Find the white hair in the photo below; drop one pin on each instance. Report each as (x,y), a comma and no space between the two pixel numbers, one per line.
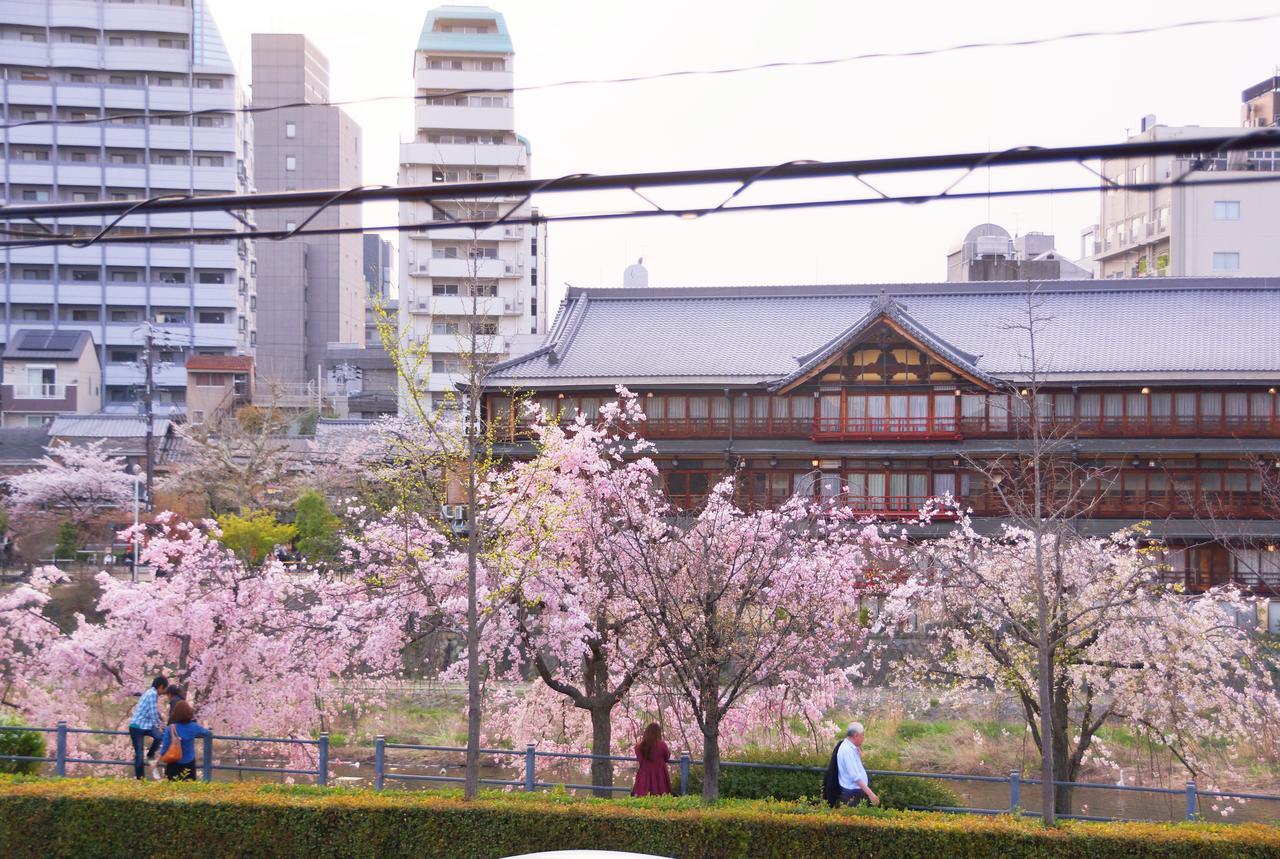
(854,729)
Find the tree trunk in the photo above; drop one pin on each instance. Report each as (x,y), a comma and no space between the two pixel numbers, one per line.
(711,759)
(471,784)
(1048,730)
(601,743)
(1063,765)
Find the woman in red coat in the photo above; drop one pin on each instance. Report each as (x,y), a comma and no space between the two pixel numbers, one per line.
(652,753)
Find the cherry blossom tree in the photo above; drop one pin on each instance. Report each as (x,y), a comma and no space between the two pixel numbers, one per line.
(554,610)
(1125,647)
(738,606)
(262,651)
(74,481)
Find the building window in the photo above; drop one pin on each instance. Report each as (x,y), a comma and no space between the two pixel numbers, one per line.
(1226,261)
(209,380)
(122,356)
(212,317)
(212,277)
(35,274)
(1226,210)
(84,315)
(444,289)
(35,314)
(85,275)
(291,129)
(290,162)
(124,316)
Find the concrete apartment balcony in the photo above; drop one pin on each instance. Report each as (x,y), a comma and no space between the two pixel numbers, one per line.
(73,54)
(121,96)
(168,97)
(170,294)
(170,137)
(464,154)
(72,13)
(38,398)
(134,373)
(30,292)
(128,294)
(83,95)
(465,268)
(466,118)
(459,305)
(30,172)
(455,79)
(23,12)
(215,256)
(120,136)
(215,139)
(79,292)
(498,233)
(27,92)
(131,57)
(214,295)
(26,53)
(150,17)
(123,176)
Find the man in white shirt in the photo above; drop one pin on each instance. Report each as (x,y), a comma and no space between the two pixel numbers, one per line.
(854,785)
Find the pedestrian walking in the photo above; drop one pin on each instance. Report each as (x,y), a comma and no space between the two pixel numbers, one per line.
(181,735)
(145,722)
(652,753)
(846,781)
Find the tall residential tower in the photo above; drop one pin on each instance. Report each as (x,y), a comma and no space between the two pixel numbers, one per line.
(96,95)
(455,281)
(311,289)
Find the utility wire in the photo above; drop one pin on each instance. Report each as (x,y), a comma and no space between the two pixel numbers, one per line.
(576,182)
(687,213)
(688,73)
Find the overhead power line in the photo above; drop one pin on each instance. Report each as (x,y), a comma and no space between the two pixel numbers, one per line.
(689,73)
(690,213)
(578,182)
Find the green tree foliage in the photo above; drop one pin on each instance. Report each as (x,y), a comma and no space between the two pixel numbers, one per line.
(68,542)
(317,527)
(253,535)
(794,785)
(26,743)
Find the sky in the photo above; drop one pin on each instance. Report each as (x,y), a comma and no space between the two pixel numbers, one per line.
(1077,92)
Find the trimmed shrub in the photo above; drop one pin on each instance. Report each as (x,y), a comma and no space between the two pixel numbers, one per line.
(26,743)
(125,818)
(789,785)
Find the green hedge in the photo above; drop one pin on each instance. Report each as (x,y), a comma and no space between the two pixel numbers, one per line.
(26,743)
(761,783)
(121,817)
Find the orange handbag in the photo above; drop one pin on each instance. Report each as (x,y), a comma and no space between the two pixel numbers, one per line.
(173,754)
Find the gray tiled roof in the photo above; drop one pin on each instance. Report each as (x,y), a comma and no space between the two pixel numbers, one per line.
(1109,329)
(96,426)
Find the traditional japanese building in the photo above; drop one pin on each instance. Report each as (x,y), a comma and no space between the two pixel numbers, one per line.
(882,396)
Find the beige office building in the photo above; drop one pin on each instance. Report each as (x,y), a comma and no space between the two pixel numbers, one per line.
(1193,228)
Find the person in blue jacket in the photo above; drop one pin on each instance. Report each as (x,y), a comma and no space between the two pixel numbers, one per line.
(182,722)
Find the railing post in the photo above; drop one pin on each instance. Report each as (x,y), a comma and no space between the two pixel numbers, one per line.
(206,754)
(60,750)
(530,764)
(379,760)
(1192,802)
(322,776)
(684,774)
(1015,792)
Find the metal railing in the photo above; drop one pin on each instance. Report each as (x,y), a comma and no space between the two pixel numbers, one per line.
(525,763)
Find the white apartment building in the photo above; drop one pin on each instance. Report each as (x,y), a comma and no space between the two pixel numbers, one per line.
(96,80)
(452,279)
(1193,228)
